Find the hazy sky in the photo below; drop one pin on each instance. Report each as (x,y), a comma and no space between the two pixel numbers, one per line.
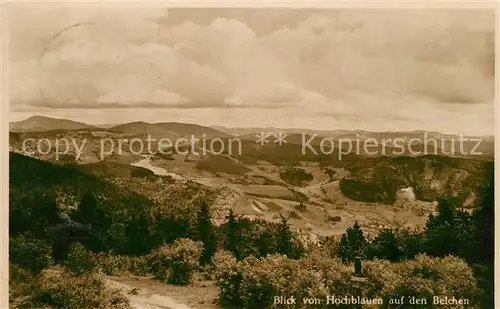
(326,69)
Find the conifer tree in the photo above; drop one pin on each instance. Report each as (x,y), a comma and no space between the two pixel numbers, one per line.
(205,233)
(285,245)
(231,233)
(385,246)
(484,218)
(87,209)
(352,243)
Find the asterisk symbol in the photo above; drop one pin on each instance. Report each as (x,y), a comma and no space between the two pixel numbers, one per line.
(262,138)
(280,138)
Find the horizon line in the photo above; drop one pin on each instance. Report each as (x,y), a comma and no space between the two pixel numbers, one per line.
(111,125)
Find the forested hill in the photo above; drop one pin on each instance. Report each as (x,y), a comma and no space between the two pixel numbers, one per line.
(44,195)
(432,177)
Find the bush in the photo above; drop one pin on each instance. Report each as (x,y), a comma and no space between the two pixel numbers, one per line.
(254,282)
(30,253)
(423,277)
(176,263)
(64,291)
(19,284)
(122,265)
(223,264)
(330,246)
(80,260)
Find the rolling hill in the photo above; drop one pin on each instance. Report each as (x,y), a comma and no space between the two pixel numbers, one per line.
(431,177)
(169,129)
(41,124)
(42,194)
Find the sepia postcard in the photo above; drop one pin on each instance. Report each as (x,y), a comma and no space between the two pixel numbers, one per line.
(258,155)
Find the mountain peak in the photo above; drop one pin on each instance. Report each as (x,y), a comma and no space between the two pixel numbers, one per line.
(38,123)
(38,117)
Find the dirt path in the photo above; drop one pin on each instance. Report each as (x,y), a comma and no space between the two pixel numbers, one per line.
(146,293)
(144,300)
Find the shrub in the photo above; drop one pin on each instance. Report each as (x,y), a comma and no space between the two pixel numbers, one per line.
(79,259)
(19,284)
(30,253)
(122,265)
(64,291)
(176,263)
(223,264)
(330,246)
(254,282)
(423,277)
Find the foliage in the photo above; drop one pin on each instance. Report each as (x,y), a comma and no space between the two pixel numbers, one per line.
(385,246)
(244,237)
(411,242)
(177,262)
(31,212)
(30,253)
(236,234)
(80,260)
(296,176)
(450,232)
(352,243)
(330,246)
(378,179)
(484,217)
(483,246)
(105,207)
(123,265)
(175,215)
(124,226)
(223,264)
(20,285)
(285,240)
(65,291)
(254,282)
(423,277)
(206,233)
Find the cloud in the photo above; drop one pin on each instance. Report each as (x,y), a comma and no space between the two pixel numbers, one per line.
(345,64)
(142,73)
(155,97)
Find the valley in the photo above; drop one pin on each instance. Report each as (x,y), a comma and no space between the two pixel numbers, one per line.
(112,203)
(323,195)
(229,156)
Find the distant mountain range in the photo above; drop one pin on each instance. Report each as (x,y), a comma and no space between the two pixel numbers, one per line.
(174,130)
(165,129)
(351,134)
